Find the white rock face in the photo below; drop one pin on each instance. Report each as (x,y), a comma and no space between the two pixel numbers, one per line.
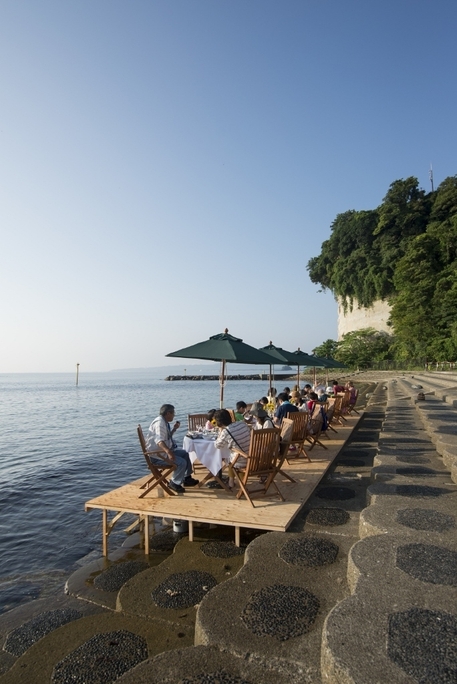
(375,316)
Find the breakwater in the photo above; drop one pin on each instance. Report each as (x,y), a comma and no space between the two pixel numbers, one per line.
(254,376)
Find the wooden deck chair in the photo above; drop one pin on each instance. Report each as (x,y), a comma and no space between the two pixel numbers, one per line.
(196,420)
(324,408)
(232,415)
(315,425)
(159,473)
(337,416)
(345,405)
(329,413)
(300,420)
(262,464)
(352,403)
(287,430)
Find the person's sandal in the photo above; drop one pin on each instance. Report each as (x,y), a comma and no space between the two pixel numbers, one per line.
(214,484)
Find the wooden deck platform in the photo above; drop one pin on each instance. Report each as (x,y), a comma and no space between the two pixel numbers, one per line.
(222,508)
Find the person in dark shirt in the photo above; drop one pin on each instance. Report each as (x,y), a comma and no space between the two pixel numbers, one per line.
(284,408)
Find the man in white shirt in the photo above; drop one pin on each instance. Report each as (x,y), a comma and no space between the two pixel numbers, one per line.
(160,436)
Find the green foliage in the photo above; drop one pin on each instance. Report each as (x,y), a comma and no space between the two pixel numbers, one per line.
(404,251)
(346,262)
(327,349)
(358,349)
(362,348)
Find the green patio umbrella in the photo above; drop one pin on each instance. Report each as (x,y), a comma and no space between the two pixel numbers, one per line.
(279,354)
(303,359)
(224,348)
(328,363)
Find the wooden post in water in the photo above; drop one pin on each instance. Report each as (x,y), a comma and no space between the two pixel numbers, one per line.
(77,374)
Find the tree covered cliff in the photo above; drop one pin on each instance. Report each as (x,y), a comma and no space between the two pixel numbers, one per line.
(405,252)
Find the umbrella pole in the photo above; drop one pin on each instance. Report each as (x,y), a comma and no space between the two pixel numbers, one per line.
(271,381)
(222,383)
(298,377)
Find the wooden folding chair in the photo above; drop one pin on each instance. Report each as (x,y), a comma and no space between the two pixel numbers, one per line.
(337,415)
(159,472)
(287,430)
(300,420)
(352,402)
(315,424)
(345,405)
(232,415)
(262,464)
(330,415)
(196,420)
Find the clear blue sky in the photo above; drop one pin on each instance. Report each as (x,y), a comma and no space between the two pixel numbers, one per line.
(168,167)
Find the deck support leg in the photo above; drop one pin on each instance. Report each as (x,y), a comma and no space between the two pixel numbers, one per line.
(237,537)
(191,530)
(105,531)
(146,534)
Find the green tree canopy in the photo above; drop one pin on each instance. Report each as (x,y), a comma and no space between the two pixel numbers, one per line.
(405,252)
(362,348)
(327,349)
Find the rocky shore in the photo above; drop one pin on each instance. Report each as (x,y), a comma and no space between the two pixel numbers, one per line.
(252,376)
(362,588)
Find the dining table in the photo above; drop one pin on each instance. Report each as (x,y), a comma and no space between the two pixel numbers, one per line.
(202,447)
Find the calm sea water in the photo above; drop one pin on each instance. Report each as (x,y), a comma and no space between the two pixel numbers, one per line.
(61,445)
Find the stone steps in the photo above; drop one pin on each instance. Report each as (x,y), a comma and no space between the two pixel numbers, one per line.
(444,388)
(400,622)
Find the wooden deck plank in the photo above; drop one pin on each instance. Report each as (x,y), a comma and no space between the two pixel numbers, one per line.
(219,507)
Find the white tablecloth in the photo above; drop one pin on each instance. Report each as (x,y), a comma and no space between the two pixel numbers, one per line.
(204,450)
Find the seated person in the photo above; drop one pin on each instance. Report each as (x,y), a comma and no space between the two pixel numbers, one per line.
(295,397)
(262,419)
(322,396)
(268,405)
(313,399)
(337,387)
(352,392)
(210,422)
(306,390)
(302,404)
(284,407)
(160,436)
(232,436)
(272,395)
(286,390)
(240,410)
